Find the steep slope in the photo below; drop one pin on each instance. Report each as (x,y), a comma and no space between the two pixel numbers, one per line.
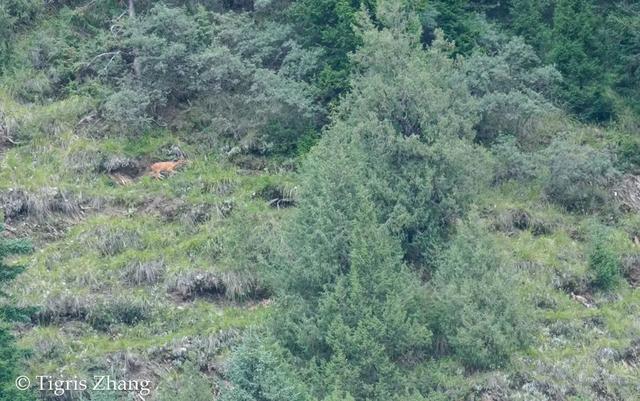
(450,232)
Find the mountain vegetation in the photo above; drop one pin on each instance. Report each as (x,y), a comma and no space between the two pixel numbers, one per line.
(321,200)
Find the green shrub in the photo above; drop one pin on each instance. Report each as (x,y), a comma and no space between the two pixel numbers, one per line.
(476,312)
(511,163)
(55,52)
(604,263)
(258,371)
(578,176)
(109,311)
(372,320)
(246,93)
(628,154)
(366,331)
(15,15)
(513,87)
(410,150)
(329,24)
(127,111)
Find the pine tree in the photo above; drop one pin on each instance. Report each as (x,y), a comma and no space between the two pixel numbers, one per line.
(258,371)
(527,21)
(475,311)
(372,321)
(575,51)
(363,334)
(405,131)
(328,24)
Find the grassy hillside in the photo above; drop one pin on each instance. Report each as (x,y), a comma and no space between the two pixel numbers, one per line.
(331,195)
(145,273)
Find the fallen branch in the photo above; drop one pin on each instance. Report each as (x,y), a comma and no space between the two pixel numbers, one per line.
(113,54)
(281,201)
(83,8)
(116,24)
(11,141)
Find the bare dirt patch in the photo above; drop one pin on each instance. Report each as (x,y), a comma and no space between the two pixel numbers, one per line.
(122,170)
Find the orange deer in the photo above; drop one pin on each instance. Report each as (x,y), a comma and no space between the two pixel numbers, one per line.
(165,167)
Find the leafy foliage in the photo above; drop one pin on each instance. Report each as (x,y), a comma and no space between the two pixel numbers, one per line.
(371,322)
(512,163)
(384,186)
(258,371)
(388,121)
(514,89)
(15,15)
(574,23)
(328,24)
(413,152)
(572,34)
(475,312)
(578,176)
(234,91)
(604,262)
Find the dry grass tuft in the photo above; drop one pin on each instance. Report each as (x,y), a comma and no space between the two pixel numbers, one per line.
(236,286)
(220,187)
(203,350)
(41,205)
(512,220)
(111,241)
(121,165)
(279,196)
(197,283)
(61,308)
(139,273)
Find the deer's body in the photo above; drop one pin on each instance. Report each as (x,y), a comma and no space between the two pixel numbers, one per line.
(165,167)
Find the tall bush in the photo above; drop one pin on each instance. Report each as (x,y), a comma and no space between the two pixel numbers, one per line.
(476,313)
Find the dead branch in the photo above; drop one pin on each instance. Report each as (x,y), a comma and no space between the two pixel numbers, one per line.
(115,24)
(11,141)
(113,54)
(83,8)
(281,202)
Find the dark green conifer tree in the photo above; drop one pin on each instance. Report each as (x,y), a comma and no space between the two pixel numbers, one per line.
(575,52)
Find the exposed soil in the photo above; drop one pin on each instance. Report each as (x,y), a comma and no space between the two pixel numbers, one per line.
(122,170)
